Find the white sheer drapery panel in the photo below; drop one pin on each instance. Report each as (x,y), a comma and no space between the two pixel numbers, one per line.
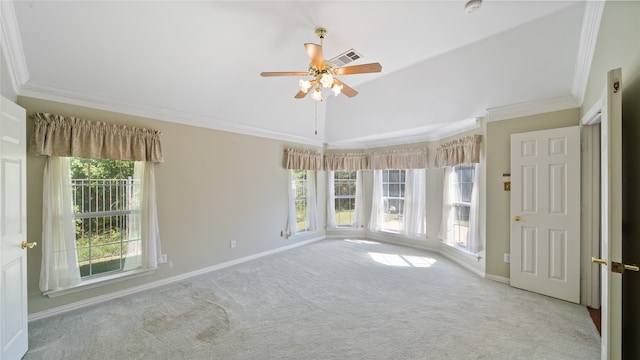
(475,243)
(465,150)
(377,203)
(358,223)
(414,223)
(400,159)
(301,159)
(59,268)
(331,200)
(450,192)
(345,161)
(145,252)
(312,204)
(447,209)
(291,214)
(55,135)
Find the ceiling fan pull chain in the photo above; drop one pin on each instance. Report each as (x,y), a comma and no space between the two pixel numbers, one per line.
(316,125)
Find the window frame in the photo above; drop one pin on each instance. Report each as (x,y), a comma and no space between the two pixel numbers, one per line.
(352,183)
(401,198)
(91,188)
(454,237)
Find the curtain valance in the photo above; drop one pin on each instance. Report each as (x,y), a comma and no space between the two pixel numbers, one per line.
(346,161)
(56,135)
(465,150)
(415,158)
(301,159)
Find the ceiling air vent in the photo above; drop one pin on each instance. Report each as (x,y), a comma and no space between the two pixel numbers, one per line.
(345,58)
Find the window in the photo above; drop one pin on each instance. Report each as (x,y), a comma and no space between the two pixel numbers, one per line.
(458,207)
(301,200)
(393,192)
(104,221)
(103,194)
(344,195)
(398,202)
(302,203)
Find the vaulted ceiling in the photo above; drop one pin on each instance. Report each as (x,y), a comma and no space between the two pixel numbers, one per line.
(199,62)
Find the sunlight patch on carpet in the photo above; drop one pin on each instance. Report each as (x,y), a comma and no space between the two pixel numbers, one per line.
(402,260)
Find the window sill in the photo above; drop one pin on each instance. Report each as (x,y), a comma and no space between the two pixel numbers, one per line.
(99,281)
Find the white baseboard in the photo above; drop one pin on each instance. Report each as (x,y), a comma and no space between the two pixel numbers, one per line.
(116,294)
(463,264)
(497,278)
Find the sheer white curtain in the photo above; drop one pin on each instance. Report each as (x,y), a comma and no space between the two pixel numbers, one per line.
(414,203)
(292,218)
(311,216)
(143,248)
(377,203)
(451,192)
(358,223)
(312,208)
(447,209)
(475,243)
(59,268)
(331,200)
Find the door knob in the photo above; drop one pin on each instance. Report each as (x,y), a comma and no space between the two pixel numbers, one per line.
(598,261)
(516,218)
(29,245)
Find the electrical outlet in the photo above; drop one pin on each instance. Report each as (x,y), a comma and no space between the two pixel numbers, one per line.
(163,259)
(233,244)
(282,233)
(507,257)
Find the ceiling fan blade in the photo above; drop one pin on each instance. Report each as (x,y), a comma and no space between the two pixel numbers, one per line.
(359,69)
(284,73)
(301,94)
(315,54)
(346,89)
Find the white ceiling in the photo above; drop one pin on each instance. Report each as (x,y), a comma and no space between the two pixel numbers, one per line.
(199,62)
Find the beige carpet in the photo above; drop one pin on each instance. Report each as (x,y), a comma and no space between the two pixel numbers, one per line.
(333,299)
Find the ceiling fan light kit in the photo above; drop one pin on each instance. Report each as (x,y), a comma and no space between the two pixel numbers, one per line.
(324,72)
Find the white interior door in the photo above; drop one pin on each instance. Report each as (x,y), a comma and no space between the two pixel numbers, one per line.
(545,210)
(611,212)
(13,231)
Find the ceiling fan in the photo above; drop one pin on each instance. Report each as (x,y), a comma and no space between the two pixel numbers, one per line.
(324,72)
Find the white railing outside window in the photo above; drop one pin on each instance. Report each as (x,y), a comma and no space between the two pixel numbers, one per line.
(103,211)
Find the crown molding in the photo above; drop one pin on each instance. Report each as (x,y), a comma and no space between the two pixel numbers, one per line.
(408,136)
(588,39)
(12,46)
(185,118)
(531,108)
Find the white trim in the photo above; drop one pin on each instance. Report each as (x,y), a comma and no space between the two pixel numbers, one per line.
(459,261)
(116,294)
(497,278)
(408,136)
(179,117)
(594,115)
(590,217)
(588,38)
(531,108)
(12,46)
(99,281)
